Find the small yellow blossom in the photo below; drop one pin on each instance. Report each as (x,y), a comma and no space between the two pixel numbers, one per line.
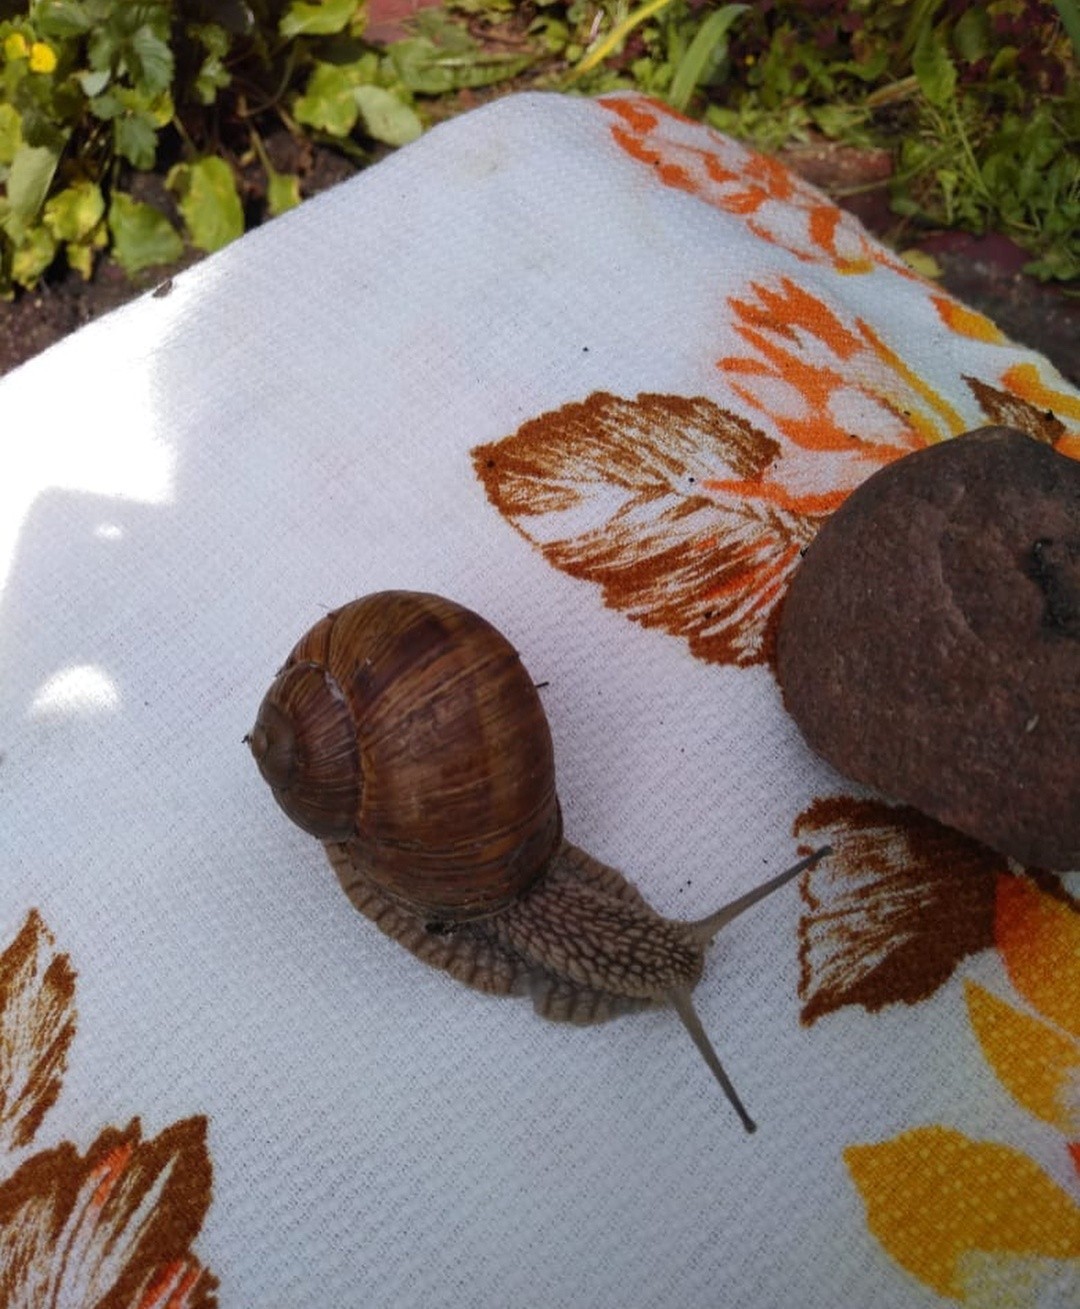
(42,57)
(15,46)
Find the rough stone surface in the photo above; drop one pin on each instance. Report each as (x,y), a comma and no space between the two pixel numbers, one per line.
(929,646)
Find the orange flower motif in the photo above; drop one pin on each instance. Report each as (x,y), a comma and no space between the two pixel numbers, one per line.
(844,399)
(1025,381)
(37,1023)
(899,904)
(691,518)
(848,403)
(116,1223)
(666,503)
(113,1226)
(973,1220)
(778,206)
(902,901)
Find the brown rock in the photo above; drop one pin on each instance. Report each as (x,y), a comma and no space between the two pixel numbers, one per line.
(929,645)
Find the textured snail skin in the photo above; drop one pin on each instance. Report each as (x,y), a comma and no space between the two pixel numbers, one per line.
(404,731)
(581,942)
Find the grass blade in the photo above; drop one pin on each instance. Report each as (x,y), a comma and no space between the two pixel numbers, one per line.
(706,49)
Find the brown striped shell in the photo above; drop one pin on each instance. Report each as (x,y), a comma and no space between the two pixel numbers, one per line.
(406,727)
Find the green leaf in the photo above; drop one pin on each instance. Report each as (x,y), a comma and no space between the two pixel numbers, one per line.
(93,83)
(328,103)
(106,107)
(209,202)
(972,36)
(63,18)
(282,192)
(841,122)
(428,69)
(135,138)
(101,49)
(212,75)
(318,18)
(706,50)
(10,133)
(73,213)
(386,118)
(34,253)
(150,59)
(142,235)
(80,257)
(30,177)
(934,70)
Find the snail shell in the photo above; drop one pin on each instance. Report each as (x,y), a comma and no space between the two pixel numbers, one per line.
(405,733)
(407,726)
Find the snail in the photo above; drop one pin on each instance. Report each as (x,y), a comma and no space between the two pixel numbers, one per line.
(405,733)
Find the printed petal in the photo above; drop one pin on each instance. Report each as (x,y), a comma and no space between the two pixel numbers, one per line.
(1038,935)
(779,207)
(851,396)
(111,1229)
(935,1199)
(1026,381)
(1009,1281)
(967,322)
(37,1024)
(899,903)
(663,502)
(1038,1066)
(1010,410)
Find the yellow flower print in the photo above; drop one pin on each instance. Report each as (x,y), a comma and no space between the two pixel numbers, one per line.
(941,1203)
(1039,1066)
(977,1220)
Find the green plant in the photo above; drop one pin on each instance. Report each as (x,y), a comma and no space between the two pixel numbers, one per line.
(94,93)
(978,105)
(1014,169)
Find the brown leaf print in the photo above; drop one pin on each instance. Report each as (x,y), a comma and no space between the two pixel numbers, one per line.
(663,502)
(899,904)
(1008,410)
(37,1023)
(112,1229)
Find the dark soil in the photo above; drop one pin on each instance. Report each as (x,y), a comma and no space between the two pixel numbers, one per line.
(985,272)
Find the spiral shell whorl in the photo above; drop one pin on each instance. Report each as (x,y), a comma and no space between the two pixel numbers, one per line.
(304,744)
(455,812)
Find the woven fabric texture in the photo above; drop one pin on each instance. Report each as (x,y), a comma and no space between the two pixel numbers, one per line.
(599,374)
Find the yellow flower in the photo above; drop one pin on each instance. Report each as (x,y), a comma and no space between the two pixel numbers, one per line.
(943,1204)
(42,57)
(15,46)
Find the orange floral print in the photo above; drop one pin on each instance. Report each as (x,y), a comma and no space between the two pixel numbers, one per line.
(776,204)
(1038,1065)
(692,518)
(37,1023)
(831,386)
(111,1228)
(976,1221)
(1038,934)
(961,1215)
(893,910)
(685,532)
(1025,381)
(967,322)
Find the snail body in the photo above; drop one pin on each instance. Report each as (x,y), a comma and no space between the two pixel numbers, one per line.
(405,733)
